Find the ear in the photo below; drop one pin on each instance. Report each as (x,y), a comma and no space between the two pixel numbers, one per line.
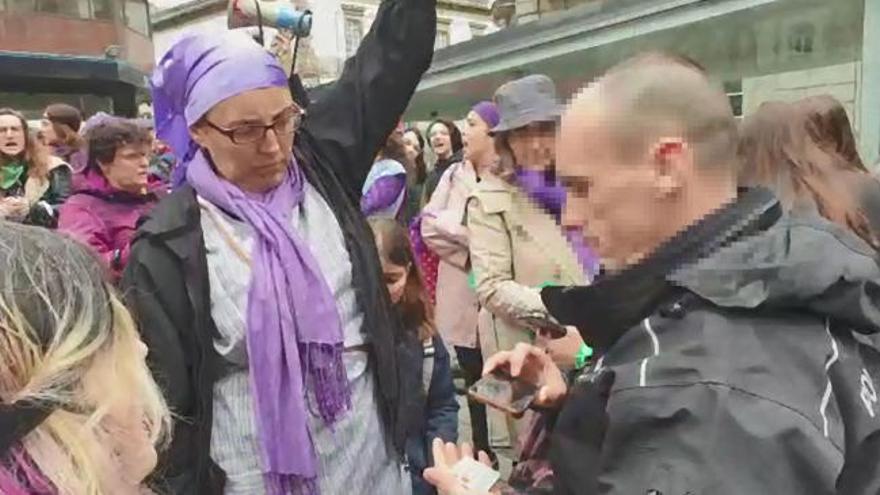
(198,134)
(670,157)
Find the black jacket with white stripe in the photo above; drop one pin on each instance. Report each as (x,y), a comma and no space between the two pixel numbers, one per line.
(740,358)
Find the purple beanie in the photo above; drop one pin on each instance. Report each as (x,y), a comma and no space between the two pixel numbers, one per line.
(488,112)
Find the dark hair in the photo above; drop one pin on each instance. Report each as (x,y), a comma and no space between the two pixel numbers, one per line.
(825,119)
(454,134)
(66,121)
(36,156)
(395,247)
(106,138)
(394,148)
(420,166)
(775,151)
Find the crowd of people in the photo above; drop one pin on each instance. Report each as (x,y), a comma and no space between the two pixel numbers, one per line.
(261,294)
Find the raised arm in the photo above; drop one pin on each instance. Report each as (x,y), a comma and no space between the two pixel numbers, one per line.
(353,118)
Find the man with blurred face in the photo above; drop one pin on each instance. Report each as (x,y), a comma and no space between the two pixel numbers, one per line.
(731,338)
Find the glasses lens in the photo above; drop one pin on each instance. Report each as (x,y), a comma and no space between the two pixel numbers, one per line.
(287,123)
(248,134)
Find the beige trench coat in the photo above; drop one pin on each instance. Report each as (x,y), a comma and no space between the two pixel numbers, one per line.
(516,247)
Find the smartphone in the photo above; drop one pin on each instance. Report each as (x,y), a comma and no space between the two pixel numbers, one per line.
(546,325)
(501,391)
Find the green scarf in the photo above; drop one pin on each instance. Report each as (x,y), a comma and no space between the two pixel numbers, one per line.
(10,174)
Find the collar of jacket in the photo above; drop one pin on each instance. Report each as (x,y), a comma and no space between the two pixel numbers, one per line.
(495,194)
(176,221)
(604,311)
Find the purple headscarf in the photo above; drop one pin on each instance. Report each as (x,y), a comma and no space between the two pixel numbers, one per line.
(198,72)
(294,333)
(487,111)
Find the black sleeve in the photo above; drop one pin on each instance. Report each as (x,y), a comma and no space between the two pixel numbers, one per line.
(60,188)
(160,327)
(711,438)
(350,122)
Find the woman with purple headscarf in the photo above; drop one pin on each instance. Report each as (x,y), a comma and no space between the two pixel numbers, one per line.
(257,283)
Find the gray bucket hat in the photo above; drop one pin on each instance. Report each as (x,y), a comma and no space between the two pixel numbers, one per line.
(523,101)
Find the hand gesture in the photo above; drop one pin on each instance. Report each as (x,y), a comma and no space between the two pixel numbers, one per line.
(535,366)
(14,208)
(445,457)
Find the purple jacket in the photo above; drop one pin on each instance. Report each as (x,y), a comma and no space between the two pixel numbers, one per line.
(105,218)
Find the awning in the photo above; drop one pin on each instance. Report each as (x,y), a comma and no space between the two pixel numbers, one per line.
(577,45)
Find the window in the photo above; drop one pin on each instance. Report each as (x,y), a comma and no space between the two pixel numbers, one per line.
(801,38)
(354,32)
(442,39)
(72,8)
(137,16)
(734,92)
(102,9)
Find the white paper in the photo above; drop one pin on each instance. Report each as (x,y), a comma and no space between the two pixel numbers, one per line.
(475,476)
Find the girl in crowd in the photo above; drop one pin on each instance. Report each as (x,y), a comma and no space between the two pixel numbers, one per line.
(257,284)
(416,172)
(32,183)
(114,192)
(81,413)
(444,230)
(384,190)
(777,152)
(60,129)
(445,140)
(434,410)
(516,243)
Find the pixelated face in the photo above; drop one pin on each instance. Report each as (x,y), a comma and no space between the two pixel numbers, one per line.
(612,186)
(534,145)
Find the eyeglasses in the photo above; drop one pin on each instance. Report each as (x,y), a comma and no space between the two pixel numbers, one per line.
(287,123)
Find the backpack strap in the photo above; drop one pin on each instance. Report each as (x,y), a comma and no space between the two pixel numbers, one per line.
(427,364)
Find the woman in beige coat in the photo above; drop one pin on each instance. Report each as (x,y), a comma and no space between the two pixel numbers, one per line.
(445,232)
(516,243)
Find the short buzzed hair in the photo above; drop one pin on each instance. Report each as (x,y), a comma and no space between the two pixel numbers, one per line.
(656,94)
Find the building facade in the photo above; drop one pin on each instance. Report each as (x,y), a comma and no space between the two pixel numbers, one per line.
(93,54)
(759,49)
(339,26)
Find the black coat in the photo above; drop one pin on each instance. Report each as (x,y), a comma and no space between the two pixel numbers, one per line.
(166,282)
(739,358)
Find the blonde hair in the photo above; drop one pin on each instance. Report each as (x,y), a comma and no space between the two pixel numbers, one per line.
(67,342)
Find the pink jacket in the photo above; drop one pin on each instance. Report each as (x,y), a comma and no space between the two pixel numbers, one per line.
(445,232)
(104,218)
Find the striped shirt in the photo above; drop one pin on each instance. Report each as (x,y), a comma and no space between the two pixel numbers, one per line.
(356,456)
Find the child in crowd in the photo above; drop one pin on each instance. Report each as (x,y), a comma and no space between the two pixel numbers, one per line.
(433,410)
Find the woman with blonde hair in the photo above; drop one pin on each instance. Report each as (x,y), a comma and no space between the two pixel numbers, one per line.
(79,411)
(32,183)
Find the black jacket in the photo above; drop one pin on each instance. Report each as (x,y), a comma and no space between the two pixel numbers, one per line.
(739,358)
(166,282)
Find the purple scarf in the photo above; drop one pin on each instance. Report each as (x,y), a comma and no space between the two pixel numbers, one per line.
(549,194)
(293,327)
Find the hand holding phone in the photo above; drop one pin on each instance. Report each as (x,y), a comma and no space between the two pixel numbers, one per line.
(545,325)
(501,391)
(534,366)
